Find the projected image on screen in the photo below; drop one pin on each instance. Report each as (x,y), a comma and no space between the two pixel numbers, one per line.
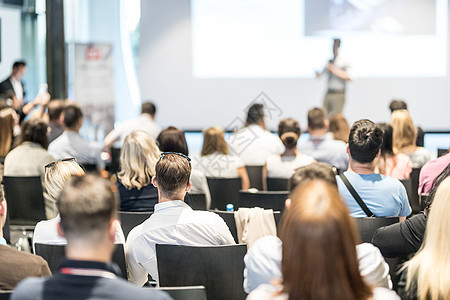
(325,17)
(292,38)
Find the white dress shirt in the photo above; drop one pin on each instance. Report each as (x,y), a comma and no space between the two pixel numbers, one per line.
(263,264)
(218,165)
(253,144)
(18,88)
(173,223)
(46,232)
(143,122)
(284,167)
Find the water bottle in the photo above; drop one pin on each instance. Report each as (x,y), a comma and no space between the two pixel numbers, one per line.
(230,207)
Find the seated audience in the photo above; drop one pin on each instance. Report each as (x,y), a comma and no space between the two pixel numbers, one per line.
(56,119)
(404,138)
(399,105)
(382,195)
(320,146)
(253,143)
(339,128)
(71,144)
(88,208)
(263,259)
(426,275)
(30,157)
(56,176)
(283,165)
(138,158)
(405,238)
(173,221)
(430,171)
(215,160)
(8,121)
(393,165)
(319,258)
(145,122)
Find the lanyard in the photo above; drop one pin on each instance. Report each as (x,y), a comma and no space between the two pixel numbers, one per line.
(88,272)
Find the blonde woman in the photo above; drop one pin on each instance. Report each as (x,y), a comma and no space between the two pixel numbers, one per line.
(404,138)
(138,158)
(57,173)
(215,160)
(427,274)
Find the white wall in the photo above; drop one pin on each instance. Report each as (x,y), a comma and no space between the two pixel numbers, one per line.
(10,39)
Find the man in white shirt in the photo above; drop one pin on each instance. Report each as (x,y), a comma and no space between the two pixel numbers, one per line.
(14,82)
(173,221)
(253,143)
(338,71)
(145,122)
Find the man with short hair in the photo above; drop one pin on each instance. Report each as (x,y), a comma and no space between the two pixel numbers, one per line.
(253,143)
(71,144)
(88,221)
(321,146)
(173,222)
(145,122)
(14,81)
(384,196)
(56,119)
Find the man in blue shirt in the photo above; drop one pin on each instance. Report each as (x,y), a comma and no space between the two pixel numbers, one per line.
(384,196)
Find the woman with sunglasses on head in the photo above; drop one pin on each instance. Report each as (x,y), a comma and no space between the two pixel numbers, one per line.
(57,173)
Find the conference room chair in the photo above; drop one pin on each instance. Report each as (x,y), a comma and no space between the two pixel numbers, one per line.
(255,177)
(185,292)
(412,192)
(114,165)
(53,254)
(277,184)
(196,200)
(90,168)
(129,220)
(219,268)
(224,191)
(5,295)
(423,201)
(268,200)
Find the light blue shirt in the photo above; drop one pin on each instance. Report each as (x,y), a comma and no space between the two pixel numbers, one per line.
(327,150)
(384,196)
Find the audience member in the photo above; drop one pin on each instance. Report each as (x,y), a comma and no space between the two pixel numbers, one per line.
(16,265)
(284,165)
(215,160)
(173,221)
(404,138)
(429,172)
(145,122)
(8,120)
(319,258)
(320,146)
(405,238)
(393,165)
(138,158)
(56,119)
(397,104)
(381,196)
(426,275)
(88,221)
(339,127)
(56,176)
(263,259)
(30,157)
(71,144)
(253,143)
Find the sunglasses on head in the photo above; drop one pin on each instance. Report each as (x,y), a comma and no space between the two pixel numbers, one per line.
(176,153)
(53,163)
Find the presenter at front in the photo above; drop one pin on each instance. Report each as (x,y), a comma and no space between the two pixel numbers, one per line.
(338,71)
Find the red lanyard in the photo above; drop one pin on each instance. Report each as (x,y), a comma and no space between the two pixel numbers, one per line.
(88,272)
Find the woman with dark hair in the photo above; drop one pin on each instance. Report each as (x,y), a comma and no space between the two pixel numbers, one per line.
(284,165)
(393,165)
(319,259)
(30,156)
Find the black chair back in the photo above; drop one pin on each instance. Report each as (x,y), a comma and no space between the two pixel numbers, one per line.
(423,201)
(224,191)
(5,295)
(255,176)
(412,185)
(196,201)
(129,220)
(114,167)
(53,254)
(269,200)
(219,268)
(277,184)
(90,168)
(368,226)
(186,292)
(25,200)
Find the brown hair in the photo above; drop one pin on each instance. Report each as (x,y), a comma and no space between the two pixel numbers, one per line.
(289,132)
(319,259)
(34,130)
(172,174)
(316,118)
(214,141)
(339,127)
(72,115)
(6,130)
(317,170)
(172,139)
(55,109)
(87,205)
